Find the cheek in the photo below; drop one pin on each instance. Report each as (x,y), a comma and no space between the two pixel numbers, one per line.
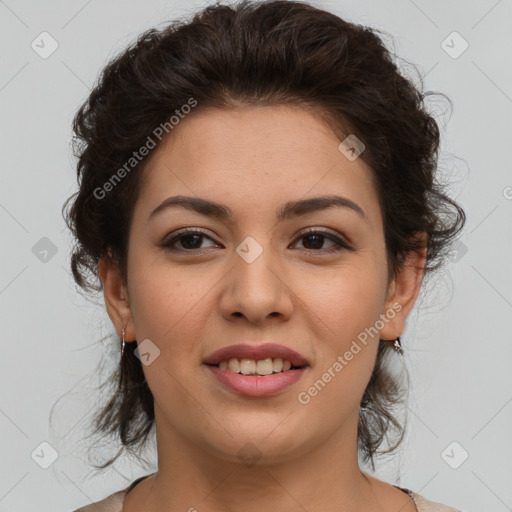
(346,299)
(168,305)
(346,306)
(169,309)
(161,293)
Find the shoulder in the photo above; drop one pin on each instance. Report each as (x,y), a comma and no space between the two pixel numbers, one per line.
(112,503)
(425,505)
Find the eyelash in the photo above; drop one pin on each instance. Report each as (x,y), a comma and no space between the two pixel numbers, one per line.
(168,244)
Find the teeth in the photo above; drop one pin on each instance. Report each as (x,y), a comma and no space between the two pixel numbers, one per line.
(251,367)
(277,364)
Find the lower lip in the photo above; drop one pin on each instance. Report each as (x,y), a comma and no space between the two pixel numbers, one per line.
(251,385)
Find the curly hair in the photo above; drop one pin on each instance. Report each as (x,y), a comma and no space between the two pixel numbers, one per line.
(257,53)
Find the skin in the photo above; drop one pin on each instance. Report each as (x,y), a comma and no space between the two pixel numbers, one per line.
(189,304)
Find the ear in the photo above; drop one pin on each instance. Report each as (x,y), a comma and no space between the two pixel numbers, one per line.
(403,291)
(116,298)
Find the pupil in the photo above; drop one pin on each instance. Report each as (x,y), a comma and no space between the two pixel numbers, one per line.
(318,237)
(184,239)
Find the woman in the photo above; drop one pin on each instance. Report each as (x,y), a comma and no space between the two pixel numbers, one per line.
(258,197)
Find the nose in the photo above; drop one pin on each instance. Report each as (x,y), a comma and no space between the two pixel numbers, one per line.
(257,289)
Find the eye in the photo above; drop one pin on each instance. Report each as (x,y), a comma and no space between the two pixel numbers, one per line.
(316,238)
(190,241)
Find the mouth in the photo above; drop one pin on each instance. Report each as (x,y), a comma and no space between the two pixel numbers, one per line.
(267,357)
(257,368)
(242,380)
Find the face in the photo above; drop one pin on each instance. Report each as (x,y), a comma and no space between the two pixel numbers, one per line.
(314,280)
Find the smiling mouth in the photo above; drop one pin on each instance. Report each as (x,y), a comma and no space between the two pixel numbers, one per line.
(253,368)
(258,379)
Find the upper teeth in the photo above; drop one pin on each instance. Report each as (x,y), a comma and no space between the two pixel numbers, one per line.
(252,367)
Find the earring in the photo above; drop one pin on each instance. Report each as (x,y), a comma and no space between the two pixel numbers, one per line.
(397,347)
(122,349)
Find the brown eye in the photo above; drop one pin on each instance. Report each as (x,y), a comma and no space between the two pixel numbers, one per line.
(190,241)
(317,238)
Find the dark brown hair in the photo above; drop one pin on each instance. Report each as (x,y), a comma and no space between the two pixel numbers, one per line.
(257,53)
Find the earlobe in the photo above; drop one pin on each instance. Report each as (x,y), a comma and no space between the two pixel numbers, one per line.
(116,297)
(402,293)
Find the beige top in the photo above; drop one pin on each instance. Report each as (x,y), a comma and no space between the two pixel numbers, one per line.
(114,502)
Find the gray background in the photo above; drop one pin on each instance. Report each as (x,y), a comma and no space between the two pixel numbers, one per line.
(458,342)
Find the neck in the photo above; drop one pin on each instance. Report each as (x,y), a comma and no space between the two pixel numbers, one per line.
(324,476)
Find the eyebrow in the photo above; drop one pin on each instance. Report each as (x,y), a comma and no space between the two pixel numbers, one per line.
(289,210)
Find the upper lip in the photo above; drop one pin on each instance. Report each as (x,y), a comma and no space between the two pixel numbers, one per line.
(256,352)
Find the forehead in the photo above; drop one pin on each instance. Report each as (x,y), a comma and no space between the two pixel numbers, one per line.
(253,159)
